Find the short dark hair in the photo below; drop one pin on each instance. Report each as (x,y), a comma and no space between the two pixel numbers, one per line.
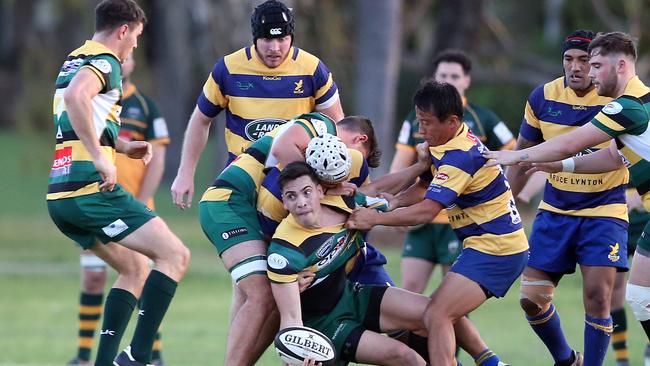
(440,99)
(296,170)
(455,56)
(614,42)
(363,125)
(110,14)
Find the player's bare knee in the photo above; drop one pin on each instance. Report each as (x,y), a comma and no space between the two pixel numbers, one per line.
(93,282)
(403,355)
(597,299)
(535,295)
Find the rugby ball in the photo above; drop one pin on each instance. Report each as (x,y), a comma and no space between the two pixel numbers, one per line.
(294,344)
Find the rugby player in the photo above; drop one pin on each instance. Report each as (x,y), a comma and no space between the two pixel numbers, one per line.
(581,218)
(84,200)
(481,210)
(612,57)
(140,121)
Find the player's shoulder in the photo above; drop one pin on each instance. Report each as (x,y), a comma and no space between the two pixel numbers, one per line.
(290,233)
(304,58)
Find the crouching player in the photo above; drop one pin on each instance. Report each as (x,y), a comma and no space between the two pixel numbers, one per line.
(481,210)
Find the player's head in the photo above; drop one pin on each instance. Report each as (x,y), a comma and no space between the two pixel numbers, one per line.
(453,67)
(358,133)
(273,26)
(439,111)
(122,21)
(301,192)
(575,60)
(128,65)
(612,57)
(329,157)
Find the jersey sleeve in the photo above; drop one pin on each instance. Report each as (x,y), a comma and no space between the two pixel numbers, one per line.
(530,126)
(326,92)
(625,115)
(108,70)
(212,100)
(498,131)
(284,261)
(359,170)
(405,138)
(156,131)
(451,178)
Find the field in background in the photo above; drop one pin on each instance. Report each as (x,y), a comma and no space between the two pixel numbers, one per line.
(39,282)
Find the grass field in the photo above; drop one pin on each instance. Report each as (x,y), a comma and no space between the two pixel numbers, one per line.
(39,281)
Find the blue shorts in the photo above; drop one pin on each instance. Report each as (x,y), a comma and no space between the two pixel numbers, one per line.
(558,242)
(494,273)
(369,269)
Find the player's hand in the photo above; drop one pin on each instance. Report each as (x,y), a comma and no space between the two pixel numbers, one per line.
(341,189)
(311,362)
(552,167)
(107,171)
(502,157)
(393,202)
(424,155)
(361,219)
(139,150)
(182,191)
(305,279)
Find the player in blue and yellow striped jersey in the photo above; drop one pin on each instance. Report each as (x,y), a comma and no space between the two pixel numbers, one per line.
(590,209)
(84,200)
(481,210)
(260,87)
(626,120)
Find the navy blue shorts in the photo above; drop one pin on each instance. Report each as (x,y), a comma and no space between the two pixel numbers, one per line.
(558,242)
(494,273)
(369,269)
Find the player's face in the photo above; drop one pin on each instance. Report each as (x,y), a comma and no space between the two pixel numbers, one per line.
(301,197)
(452,73)
(127,66)
(129,39)
(576,69)
(273,51)
(603,73)
(434,131)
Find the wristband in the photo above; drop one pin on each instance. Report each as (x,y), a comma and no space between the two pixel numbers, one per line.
(568,165)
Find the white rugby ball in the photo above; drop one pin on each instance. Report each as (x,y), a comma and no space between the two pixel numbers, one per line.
(294,344)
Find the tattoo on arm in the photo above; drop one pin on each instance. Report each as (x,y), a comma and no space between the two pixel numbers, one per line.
(524,157)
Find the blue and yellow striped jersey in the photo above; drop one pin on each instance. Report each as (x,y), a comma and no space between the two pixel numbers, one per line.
(479,202)
(626,119)
(73,172)
(554,109)
(258,98)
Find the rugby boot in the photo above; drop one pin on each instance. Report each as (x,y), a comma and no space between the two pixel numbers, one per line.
(126,359)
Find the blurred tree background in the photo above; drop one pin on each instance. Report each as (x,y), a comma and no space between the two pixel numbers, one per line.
(378,51)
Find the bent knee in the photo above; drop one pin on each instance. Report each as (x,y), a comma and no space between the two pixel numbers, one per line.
(404,355)
(535,295)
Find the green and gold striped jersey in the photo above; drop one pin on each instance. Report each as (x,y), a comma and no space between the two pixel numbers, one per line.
(73,172)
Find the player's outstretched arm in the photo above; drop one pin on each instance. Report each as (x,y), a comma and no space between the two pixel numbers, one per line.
(196,136)
(554,149)
(419,213)
(516,174)
(398,181)
(335,111)
(78,100)
(602,161)
(287,298)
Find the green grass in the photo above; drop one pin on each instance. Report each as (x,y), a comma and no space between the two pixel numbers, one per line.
(39,284)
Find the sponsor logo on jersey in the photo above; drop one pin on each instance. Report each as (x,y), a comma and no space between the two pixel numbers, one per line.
(102,65)
(62,162)
(107,332)
(472,137)
(277,261)
(271,78)
(115,228)
(579,108)
(613,253)
(331,253)
(613,108)
(441,176)
(256,129)
(70,66)
(234,232)
(298,88)
(244,86)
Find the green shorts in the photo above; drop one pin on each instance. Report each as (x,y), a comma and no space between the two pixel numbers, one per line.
(229,222)
(638,221)
(357,311)
(104,216)
(436,243)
